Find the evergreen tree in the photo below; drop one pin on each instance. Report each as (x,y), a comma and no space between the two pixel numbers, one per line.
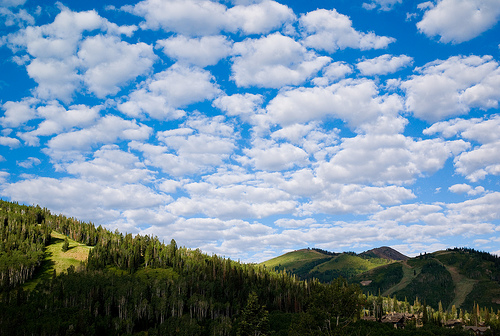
(65,246)
(254,318)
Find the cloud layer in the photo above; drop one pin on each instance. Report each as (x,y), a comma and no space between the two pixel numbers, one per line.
(250,128)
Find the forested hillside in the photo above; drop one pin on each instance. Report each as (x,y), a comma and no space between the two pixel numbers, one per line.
(138,285)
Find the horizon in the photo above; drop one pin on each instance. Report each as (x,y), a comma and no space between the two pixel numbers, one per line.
(251,128)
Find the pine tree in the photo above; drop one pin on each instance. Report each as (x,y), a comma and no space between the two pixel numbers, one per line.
(65,246)
(254,318)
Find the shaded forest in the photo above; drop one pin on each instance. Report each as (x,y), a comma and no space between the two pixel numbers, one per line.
(138,285)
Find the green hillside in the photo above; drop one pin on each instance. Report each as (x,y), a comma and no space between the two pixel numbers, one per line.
(456,277)
(322,265)
(60,276)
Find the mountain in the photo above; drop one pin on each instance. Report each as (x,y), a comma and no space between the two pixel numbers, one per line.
(461,277)
(61,276)
(326,266)
(384,252)
(457,277)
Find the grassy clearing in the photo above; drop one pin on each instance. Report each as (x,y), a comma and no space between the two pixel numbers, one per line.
(56,259)
(463,286)
(295,259)
(409,273)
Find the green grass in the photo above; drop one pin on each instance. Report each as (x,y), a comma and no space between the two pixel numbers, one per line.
(409,273)
(56,259)
(294,260)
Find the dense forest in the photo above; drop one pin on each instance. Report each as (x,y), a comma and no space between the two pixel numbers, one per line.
(138,285)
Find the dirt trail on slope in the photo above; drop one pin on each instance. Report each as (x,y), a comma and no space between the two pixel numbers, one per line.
(463,286)
(405,281)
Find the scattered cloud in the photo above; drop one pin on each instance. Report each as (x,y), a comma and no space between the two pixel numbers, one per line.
(458,21)
(330,31)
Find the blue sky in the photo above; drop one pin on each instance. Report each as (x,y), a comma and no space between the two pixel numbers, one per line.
(252,128)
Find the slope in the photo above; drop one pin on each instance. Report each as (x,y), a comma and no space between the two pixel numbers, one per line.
(56,261)
(459,277)
(326,266)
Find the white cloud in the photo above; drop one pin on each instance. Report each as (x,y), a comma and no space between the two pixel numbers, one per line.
(385,5)
(260,18)
(107,201)
(355,199)
(273,61)
(294,223)
(54,64)
(330,31)
(21,18)
(58,119)
(9,142)
(476,164)
(452,87)
(386,158)
(482,131)
(11,3)
(458,21)
(107,130)
(29,162)
(168,91)
(267,155)
(201,17)
(111,62)
(333,72)
(110,164)
(465,188)
(197,146)
(243,105)
(383,65)
(354,101)
(203,51)
(232,201)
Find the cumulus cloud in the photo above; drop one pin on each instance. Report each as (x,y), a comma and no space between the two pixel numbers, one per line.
(203,51)
(29,162)
(110,62)
(273,61)
(330,31)
(465,188)
(476,129)
(383,65)
(203,17)
(244,105)
(332,73)
(105,131)
(476,164)
(9,142)
(383,5)
(481,160)
(198,146)
(107,201)
(60,61)
(354,101)
(355,199)
(163,95)
(458,21)
(386,158)
(271,156)
(110,164)
(452,87)
(58,119)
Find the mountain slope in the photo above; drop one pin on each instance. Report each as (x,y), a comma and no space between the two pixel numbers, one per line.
(460,277)
(384,252)
(323,265)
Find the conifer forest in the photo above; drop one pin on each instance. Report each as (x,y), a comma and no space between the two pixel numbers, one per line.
(139,285)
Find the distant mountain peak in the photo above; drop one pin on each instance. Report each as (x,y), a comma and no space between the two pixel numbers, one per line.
(385,252)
